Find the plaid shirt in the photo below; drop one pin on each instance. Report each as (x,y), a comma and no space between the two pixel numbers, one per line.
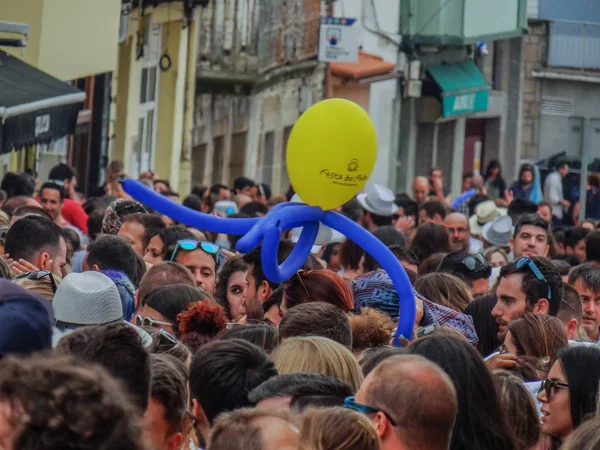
(376,290)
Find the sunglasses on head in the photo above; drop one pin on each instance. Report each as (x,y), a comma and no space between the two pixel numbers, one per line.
(549,386)
(525,261)
(475,261)
(190,245)
(141,321)
(38,275)
(351,404)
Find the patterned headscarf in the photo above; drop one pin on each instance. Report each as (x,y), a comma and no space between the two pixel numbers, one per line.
(376,290)
(116,211)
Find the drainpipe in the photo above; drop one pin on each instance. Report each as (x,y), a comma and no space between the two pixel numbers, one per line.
(396,115)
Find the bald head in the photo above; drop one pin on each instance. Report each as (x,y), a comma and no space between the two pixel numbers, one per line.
(418,396)
(478,182)
(457,226)
(164,274)
(254,429)
(420,189)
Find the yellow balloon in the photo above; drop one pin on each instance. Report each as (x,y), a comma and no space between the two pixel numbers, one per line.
(331,152)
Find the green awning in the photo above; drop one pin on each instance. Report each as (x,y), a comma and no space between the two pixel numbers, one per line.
(464,89)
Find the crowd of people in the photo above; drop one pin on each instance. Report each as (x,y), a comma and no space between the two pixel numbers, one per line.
(123,329)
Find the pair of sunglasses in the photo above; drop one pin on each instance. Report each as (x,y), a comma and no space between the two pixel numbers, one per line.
(473,262)
(38,275)
(141,321)
(528,262)
(350,403)
(190,245)
(550,386)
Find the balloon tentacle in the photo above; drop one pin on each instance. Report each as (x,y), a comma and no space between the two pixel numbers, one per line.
(185,215)
(389,263)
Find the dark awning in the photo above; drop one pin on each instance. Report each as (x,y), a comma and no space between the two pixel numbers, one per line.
(34,106)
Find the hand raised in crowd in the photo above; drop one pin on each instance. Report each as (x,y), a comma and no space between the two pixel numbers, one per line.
(502,361)
(22,266)
(404,223)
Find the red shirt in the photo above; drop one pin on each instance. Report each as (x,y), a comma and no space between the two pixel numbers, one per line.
(75,215)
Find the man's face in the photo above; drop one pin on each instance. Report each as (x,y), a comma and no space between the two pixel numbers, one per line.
(545,213)
(250,191)
(51,202)
(480,287)
(60,259)
(133,233)
(511,304)
(467,184)
(563,171)
(458,231)
(531,241)
(591,309)
(203,267)
(157,429)
(70,186)
(224,194)
(437,177)
(420,190)
(578,250)
(255,296)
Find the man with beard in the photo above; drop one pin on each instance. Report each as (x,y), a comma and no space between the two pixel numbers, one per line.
(457,226)
(586,280)
(530,237)
(526,285)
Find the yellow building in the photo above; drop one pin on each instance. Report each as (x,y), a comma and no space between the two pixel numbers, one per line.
(153,90)
(73,41)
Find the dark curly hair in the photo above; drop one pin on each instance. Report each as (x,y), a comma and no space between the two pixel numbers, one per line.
(57,403)
(200,324)
(233,265)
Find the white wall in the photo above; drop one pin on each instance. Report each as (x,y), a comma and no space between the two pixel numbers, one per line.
(384,17)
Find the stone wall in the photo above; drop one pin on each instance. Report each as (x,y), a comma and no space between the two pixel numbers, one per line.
(536,51)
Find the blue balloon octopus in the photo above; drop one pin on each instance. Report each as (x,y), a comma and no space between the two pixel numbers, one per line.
(268,229)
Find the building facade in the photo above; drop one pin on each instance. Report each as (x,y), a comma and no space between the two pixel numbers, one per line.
(256,74)
(75,41)
(562,82)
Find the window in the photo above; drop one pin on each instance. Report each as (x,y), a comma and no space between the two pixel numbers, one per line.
(284,179)
(267,158)
(217,162)
(238,156)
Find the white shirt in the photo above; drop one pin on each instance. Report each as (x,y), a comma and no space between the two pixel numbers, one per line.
(475,245)
(553,193)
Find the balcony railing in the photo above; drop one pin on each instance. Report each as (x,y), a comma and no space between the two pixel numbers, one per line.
(574,45)
(251,37)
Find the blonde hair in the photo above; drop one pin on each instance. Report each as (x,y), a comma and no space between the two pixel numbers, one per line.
(585,437)
(444,289)
(318,355)
(371,328)
(337,429)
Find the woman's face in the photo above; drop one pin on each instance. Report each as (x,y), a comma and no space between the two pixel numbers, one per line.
(160,187)
(495,171)
(154,251)
(236,294)
(335,259)
(498,260)
(526,177)
(556,410)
